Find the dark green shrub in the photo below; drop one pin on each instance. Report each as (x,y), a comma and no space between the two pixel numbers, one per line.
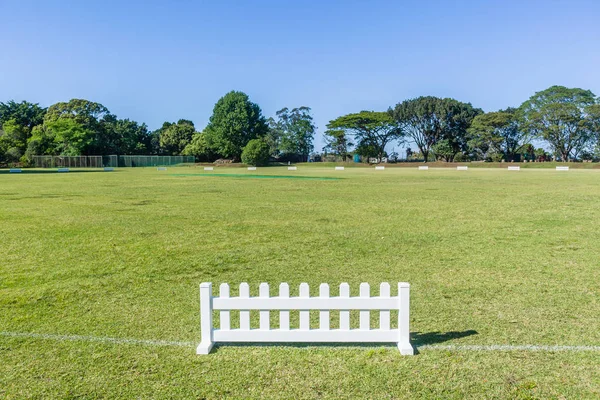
(256,153)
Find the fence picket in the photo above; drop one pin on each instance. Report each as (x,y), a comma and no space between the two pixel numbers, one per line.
(284,316)
(263,291)
(244,315)
(224,315)
(384,315)
(304,314)
(345,315)
(365,316)
(324,314)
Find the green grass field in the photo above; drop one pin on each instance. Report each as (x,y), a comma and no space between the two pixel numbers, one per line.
(493,258)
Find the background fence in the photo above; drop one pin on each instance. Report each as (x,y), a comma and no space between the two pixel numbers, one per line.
(110,161)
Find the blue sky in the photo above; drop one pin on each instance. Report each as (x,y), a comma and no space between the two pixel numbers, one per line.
(155,61)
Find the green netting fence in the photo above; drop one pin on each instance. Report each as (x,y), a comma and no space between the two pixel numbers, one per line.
(110,161)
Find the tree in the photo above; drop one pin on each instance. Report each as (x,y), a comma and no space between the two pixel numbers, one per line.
(17,121)
(560,116)
(197,147)
(69,128)
(256,152)
(427,120)
(295,131)
(175,137)
(498,132)
(372,130)
(337,142)
(234,122)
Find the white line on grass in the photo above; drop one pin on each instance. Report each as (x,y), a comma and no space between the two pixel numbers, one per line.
(507,347)
(450,347)
(112,340)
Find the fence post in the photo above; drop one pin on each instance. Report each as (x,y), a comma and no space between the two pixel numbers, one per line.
(206,310)
(404,319)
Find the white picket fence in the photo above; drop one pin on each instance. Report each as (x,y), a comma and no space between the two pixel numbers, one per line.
(304,303)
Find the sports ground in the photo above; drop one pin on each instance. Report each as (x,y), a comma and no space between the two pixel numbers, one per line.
(99,276)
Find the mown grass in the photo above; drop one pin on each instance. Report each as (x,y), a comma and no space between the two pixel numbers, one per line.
(493,257)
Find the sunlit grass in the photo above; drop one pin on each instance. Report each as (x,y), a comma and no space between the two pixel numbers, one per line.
(493,257)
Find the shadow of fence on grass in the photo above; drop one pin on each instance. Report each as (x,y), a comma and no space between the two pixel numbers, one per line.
(416,338)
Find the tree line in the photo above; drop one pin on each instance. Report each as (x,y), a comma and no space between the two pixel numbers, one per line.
(567,120)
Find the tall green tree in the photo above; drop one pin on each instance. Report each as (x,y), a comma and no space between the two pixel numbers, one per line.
(234,122)
(337,142)
(17,121)
(121,136)
(371,130)
(175,137)
(295,132)
(198,148)
(499,132)
(69,128)
(428,120)
(561,116)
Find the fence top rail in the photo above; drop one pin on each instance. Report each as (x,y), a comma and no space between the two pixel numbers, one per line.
(304,301)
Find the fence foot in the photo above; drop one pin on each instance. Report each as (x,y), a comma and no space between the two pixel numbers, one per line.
(204,348)
(406,349)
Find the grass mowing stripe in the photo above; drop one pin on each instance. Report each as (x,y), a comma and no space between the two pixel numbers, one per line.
(111,340)
(249,176)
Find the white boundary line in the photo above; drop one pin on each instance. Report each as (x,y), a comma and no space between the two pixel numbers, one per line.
(451,347)
(63,338)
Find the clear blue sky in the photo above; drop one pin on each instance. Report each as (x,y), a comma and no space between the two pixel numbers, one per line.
(153,61)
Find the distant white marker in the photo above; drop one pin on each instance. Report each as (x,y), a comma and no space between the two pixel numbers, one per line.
(562,168)
(251,168)
(339,168)
(514,168)
(292,168)
(208,168)
(423,168)
(462,168)
(161,168)
(380,167)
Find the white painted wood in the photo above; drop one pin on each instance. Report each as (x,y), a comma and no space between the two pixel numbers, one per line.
(324,314)
(380,167)
(307,336)
(161,168)
(15,170)
(309,303)
(404,319)
(462,168)
(365,315)
(384,315)
(304,315)
(251,168)
(514,168)
(562,168)
(292,168)
(284,316)
(263,291)
(206,324)
(339,168)
(345,315)
(244,315)
(63,170)
(108,169)
(209,168)
(423,168)
(304,303)
(224,315)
